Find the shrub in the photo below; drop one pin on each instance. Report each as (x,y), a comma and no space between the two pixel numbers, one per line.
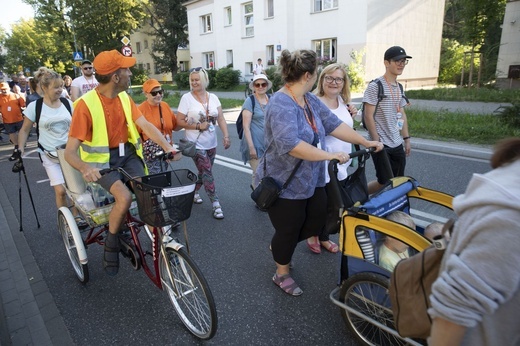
(510,115)
(275,78)
(182,79)
(226,78)
(356,71)
(139,75)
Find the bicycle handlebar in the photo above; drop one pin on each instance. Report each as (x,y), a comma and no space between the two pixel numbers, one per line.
(356,154)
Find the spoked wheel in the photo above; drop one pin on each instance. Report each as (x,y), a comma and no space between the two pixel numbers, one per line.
(189,293)
(371,319)
(73,243)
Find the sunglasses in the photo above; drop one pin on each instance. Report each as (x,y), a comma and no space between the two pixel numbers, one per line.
(154,93)
(260,85)
(195,69)
(87,68)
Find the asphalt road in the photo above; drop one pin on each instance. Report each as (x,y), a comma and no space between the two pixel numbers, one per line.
(232,253)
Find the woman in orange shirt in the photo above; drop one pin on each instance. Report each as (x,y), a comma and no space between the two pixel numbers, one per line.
(160,114)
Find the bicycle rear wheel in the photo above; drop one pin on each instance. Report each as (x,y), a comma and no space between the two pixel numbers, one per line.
(73,244)
(189,293)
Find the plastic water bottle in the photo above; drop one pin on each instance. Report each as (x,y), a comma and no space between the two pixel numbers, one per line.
(98,194)
(85,201)
(359,116)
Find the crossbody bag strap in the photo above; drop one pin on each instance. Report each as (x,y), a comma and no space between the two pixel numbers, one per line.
(162,120)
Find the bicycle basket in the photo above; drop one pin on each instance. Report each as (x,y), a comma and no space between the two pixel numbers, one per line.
(165,198)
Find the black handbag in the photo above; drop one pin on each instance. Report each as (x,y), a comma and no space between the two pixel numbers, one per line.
(268,191)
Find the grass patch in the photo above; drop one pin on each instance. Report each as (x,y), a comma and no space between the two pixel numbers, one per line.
(462,127)
(464,94)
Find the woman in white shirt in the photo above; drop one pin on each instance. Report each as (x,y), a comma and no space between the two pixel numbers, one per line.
(198,113)
(334,91)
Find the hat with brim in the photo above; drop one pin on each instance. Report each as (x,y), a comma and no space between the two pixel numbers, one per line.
(108,62)
(257,77)
(150,84)
(396,53)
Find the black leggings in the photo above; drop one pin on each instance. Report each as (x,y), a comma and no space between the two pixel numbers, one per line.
(295,220)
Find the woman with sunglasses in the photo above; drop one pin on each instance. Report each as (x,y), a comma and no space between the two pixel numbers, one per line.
(252,144)
(199,112)
(296,123)
(334,91)
(159,113)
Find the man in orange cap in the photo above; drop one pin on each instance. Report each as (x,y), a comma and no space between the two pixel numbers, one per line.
(11,105)
(103,134)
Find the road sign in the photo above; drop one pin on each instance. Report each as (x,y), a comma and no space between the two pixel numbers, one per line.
(77,56)
(125,40)
(126,50)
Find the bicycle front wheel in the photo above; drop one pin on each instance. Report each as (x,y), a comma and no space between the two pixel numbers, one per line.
(189,293)
(73,244)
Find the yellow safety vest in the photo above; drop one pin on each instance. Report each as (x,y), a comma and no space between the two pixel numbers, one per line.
(96,152)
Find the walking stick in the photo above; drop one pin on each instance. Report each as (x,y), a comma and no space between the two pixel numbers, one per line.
(19,167)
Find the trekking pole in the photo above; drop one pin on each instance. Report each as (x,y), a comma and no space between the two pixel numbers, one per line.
(19,167)
(20,198)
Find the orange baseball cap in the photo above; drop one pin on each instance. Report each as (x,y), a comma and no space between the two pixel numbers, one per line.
(110,61)
(150,84)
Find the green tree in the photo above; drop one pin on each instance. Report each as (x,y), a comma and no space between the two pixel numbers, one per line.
(168,25)
(356,71)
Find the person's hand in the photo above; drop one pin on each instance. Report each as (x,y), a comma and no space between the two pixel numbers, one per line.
(341,157)
(175,155)
(203,126)
(375,144)
(91,174)
(252,154)
(352,110)
(407,147)
(227,142)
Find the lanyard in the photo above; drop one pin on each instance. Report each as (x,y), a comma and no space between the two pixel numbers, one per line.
(310,120)
(393,98)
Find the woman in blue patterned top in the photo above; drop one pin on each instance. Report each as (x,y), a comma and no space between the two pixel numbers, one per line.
(296,123)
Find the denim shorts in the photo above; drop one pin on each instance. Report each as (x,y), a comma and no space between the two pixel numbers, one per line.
(131,163)
(13,127)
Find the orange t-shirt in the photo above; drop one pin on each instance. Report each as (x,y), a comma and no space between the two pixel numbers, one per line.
(151,113)
(11,108)
(81,126)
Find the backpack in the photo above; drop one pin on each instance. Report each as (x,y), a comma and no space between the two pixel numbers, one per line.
(39,105)
(239,123)
(411,285)
(380,96)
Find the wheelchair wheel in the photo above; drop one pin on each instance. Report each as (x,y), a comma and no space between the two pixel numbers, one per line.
(369,316)
(189,293)
(73,244)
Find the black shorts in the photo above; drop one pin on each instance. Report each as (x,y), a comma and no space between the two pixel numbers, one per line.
(396,158)
(131,163)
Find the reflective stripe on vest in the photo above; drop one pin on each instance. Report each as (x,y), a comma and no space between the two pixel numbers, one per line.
(96,152)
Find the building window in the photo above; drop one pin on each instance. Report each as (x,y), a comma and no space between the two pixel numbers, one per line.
(249,20)
(148,67)
(325,49)
(249,68)
(269,53)
(208,60)
(206,24)
(227,16)
(322,5)
(138,47)
(145,44)
(183,66)
(229,58)
(270,8)
(140,66)
(157,70)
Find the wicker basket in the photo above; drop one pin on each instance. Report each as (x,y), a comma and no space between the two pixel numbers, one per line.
(165,198)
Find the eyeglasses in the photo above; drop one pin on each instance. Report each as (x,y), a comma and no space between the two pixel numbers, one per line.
(195,69)
(260,85)
(154,93)
(87,68)
(338,80)
(401,62)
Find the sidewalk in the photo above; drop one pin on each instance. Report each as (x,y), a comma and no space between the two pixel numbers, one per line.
(29,315)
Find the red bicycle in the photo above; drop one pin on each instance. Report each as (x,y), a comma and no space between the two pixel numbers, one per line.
(162,200)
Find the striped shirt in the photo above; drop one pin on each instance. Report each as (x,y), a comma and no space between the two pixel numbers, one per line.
(386,113)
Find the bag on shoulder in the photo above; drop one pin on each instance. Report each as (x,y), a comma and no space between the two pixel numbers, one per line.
(266,193)
(380,96)
(187,147)
(411,285)
(240,121)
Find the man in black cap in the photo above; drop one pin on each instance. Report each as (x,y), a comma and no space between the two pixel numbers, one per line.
(81,85)
(385,118)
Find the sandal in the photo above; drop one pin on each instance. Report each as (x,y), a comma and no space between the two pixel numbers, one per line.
(315,246)
(217,212)
(111,260)
(82,224)
(330,246)
(287,284)
(197,199)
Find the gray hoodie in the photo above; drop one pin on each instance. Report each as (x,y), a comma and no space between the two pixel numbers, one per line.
(479,285)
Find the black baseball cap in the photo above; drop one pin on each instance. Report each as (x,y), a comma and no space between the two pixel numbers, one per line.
(86,62)
(396,53)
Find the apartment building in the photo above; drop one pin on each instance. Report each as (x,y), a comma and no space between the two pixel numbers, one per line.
(142,44)
(238,32)
(508,65)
